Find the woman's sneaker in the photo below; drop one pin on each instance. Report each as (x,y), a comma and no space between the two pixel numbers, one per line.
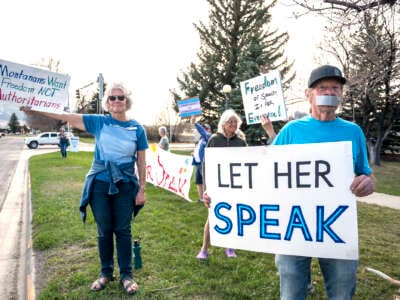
(203,254)
(230,253)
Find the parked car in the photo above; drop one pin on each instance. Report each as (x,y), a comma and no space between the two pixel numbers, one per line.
(45,138)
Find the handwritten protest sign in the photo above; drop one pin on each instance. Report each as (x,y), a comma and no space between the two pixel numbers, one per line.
(169,171)
(263,95)
(189,107)
(292,199)
(42,90)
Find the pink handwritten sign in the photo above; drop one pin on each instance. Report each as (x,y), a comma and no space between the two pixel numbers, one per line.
(169,171)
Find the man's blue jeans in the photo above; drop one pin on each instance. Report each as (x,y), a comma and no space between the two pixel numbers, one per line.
(113,215)
(63,149)
(339,275)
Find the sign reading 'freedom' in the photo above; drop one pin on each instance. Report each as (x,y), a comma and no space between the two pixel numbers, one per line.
(263,95)
(292,199)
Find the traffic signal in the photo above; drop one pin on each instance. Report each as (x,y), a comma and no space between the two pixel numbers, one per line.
(78,94)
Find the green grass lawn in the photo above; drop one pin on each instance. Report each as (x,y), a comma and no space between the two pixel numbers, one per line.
(88,140)
(171,229)
(387,178)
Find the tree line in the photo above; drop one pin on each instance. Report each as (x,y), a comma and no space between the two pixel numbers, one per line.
(239,43)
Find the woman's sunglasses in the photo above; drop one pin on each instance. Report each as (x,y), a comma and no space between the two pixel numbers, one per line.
(113,98)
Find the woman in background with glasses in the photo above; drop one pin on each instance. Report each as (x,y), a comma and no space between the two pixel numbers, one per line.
(111,188)
(228,135)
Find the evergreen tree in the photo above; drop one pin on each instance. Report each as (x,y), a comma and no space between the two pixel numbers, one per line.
(13,124)
(236,45)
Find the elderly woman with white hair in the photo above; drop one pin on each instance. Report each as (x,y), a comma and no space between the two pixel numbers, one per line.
(164,141)
(112,188)
(228,135)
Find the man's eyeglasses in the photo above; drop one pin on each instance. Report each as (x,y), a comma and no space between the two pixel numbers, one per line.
(326,89)
(113,98)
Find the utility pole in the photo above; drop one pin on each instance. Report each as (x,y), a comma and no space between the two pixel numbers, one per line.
(100,80)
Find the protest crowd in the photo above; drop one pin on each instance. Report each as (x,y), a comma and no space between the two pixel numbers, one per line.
(315,166)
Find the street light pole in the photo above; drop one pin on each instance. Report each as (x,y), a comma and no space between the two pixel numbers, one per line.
(100,79)
(226,89)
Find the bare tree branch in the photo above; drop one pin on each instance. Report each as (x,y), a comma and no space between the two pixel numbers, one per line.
(360,8)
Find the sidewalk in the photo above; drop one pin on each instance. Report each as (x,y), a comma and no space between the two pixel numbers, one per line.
(382,200)
(16,251)
(182,146)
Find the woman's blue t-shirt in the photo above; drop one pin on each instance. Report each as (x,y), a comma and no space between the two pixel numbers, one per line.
(116,141)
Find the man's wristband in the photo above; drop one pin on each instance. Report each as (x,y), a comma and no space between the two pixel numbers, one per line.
(142,187)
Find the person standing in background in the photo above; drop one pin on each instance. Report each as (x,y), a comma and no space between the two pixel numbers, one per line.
(228,135)
(198,154)
(63,142)
(164,141)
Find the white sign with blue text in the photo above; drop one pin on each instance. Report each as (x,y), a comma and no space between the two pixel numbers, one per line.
(291,199)
(263,95)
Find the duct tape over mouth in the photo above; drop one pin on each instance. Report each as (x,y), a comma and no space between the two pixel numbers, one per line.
(328,100)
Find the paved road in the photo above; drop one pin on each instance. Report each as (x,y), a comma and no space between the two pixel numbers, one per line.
(16,263)
(10,150)
(14,220)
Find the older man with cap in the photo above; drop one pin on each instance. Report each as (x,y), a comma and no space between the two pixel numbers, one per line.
(325,89)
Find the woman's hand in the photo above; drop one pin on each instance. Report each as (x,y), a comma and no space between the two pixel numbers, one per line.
(140,197)
(206,199)
(27,109)
(267,125)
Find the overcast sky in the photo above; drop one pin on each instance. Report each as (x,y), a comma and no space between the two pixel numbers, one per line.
(144,44)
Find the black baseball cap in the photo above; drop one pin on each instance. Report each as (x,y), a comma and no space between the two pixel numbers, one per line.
(324,72)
